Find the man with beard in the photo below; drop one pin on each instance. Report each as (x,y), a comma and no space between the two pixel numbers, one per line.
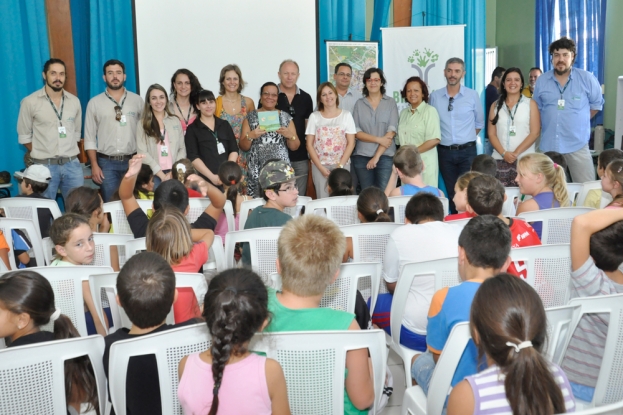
(533,75)
(461,118)
(110,129)
(49,125)
(567,100)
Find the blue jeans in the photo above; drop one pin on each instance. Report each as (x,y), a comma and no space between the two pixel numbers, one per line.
(488,148)
(379,176)
(422,370)
(66,176)
(113,171)
(157,179)
(452,164)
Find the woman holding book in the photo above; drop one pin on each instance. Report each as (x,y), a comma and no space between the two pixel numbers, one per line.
(330,137)
(264,141)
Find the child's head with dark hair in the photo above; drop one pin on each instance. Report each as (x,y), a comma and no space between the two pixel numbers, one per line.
(485,242)
(509,325)
(408,161)
(146,289)
(606,247)
(340,183)
(235,308)
(87,202)
(485,164)
(606,157)
(612,180)
(72,237)
(424,207)
(373,205)
(171,193)
(277,182)
(230,175)
(144,181)
(35,179)
(460,190)
(557,158)
(485,195)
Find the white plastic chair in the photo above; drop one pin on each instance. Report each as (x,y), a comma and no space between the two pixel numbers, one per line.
(559,320)
(197,205)
(66,283)
(26,208)
(415,402)
(117,214)
(297,352)
(103,242)
(6,225)
(32,377)
(399,203)
(48,250)
(510,204)
(613,409)
(342,293)
(134,246)
(548,270)
(262,246)
(248,205)
(556,222)
(340,209)
(104,289)
(573,190)
(586,188)
(444,272)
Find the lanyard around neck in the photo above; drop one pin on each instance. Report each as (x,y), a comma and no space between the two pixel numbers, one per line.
(512,113)
(186,119)
(125,95)
(59,116)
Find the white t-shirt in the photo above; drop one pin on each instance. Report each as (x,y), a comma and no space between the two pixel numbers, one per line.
(417,243)
(330,135)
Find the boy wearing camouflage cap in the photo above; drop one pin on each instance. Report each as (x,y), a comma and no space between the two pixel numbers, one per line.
(278,187)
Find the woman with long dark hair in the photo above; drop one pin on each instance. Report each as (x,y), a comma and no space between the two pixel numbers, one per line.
(184,89)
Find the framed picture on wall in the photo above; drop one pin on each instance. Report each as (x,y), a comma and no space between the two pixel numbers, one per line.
(359,55)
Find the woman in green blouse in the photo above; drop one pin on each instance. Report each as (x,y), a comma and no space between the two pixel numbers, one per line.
(419,125)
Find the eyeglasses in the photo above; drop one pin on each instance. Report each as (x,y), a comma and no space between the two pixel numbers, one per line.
(450,102)
(118,113)
(344,74)
(373,80)
(289,189)
(268,94)
(291,111)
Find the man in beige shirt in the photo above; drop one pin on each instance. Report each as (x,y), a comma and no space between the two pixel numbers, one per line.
(49,125)
(110,129)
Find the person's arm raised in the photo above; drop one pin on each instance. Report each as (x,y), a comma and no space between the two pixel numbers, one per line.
(217,199)
(126,188)
(583,227)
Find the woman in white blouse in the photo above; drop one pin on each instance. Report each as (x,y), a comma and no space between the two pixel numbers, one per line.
(330,137)
(515,125)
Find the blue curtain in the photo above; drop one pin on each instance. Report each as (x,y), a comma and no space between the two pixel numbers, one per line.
(339,20)
(80,36)
(544,27)
(25,48)
(381,19)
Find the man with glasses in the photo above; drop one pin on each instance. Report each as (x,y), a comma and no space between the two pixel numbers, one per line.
(110,129)
(568,99)
(49,126)
(348,96)
(299,105)
(461,117)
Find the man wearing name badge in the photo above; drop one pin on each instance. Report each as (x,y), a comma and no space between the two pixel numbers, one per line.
(299,105)
(461,118)
(49,125)
(568,98)
(492,94)
(110,129)
(533,75)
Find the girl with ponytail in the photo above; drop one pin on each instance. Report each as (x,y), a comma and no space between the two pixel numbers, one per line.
(27,304)
(538,176)
(230,174)
(235,308)
(509,326)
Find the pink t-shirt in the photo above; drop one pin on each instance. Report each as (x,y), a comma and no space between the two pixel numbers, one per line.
(186,306)
(243,389)
(166,162)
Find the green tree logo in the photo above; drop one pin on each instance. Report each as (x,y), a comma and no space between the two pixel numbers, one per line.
(423,61)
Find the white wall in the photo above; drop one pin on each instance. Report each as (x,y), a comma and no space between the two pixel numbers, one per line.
(205,35)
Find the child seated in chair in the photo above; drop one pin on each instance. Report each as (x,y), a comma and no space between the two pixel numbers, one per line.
(593,198)
(146,291)
(35,180)
(309,256)
(484,245)
(486,196)
(596,257)
(408,167)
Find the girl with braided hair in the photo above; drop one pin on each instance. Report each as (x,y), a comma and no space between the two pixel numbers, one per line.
(235,308)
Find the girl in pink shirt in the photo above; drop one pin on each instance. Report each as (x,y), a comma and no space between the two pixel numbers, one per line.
(228,378)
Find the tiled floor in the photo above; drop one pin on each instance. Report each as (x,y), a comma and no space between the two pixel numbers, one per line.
(395,401)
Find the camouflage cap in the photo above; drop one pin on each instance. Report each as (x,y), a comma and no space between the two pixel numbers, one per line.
(275,172)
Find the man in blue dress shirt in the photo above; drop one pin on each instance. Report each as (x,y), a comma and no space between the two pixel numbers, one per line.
(567,100)
(462,117)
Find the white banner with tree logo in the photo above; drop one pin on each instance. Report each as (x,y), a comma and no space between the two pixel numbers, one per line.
(419,51)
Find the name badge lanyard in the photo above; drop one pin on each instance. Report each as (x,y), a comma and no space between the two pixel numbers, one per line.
(59,116)
(164,151)
(187,118)
(219,146)
(561,101)
(125,95)
(512,131)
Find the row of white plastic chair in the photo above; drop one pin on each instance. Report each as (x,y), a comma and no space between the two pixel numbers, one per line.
(32,377)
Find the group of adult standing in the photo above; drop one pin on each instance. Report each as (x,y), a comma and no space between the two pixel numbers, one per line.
(349,129)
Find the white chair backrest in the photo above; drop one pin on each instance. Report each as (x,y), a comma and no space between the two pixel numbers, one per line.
(559,321)
(613,409)
(606,198)
(510,204)
(66,283)
(32,377)
(556,222)
(295,211)
(3,267)
(118,218)
(342,293)
(216,255)
(103,242)
(399,203)
(573,190)
(297,352)
(262,246)
(134,246)
(26,208)
(586,188)
(608,389)
(48,250)
(28,226)
(340,209)
(248,205)
(103,289)
(548,270)
(197,205)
